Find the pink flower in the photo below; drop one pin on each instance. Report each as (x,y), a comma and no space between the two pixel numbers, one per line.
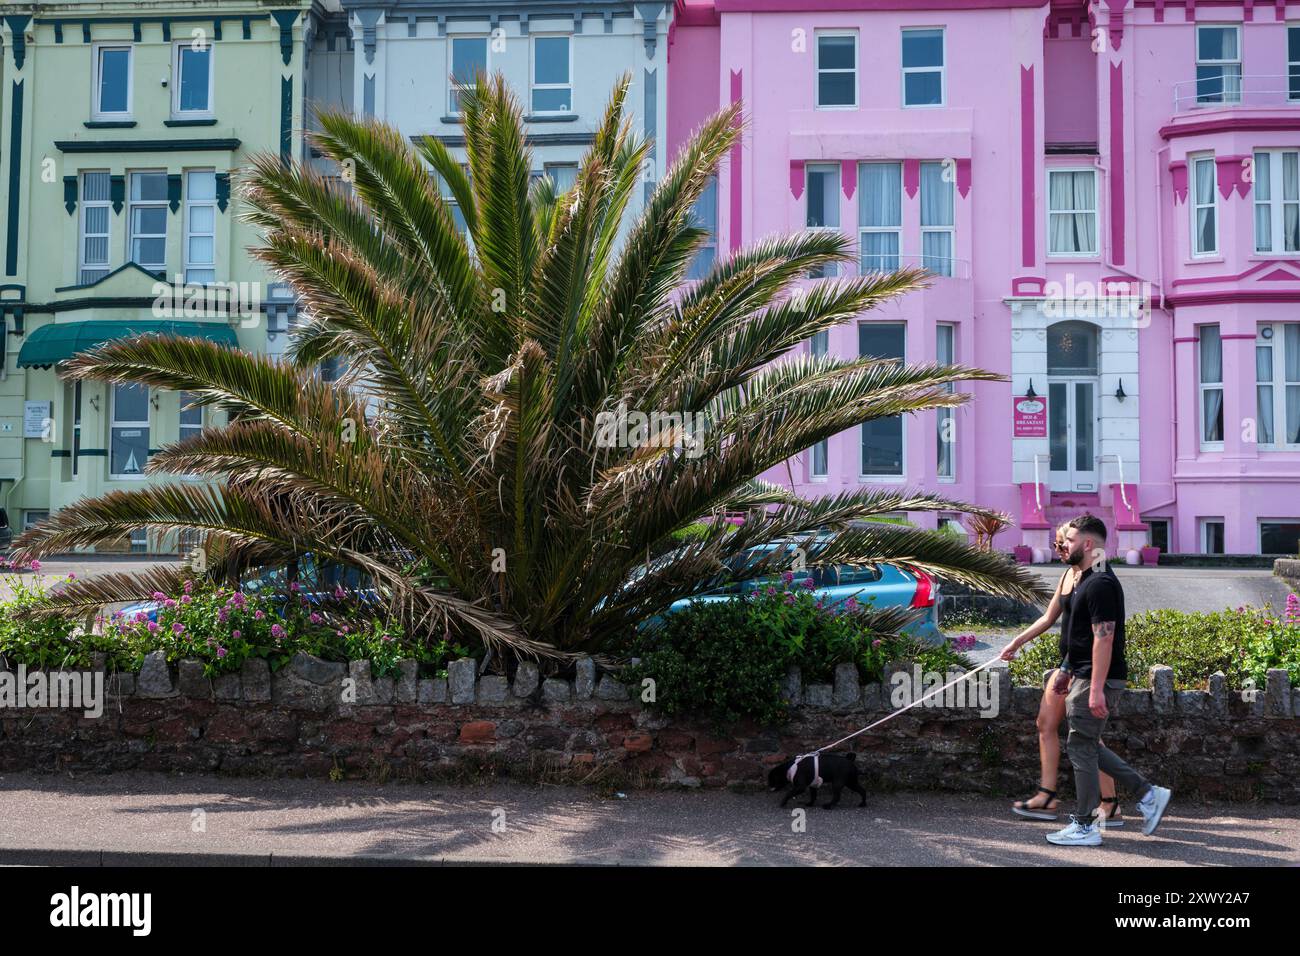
(877,642)
(314,618)
(141,616)
(177,628)
(809,584)
(72,576)
(851,604)
(221,652)
(788,577)
(277,631)
(222,616)
(169,603)
(386,638)
(185,599)
(771,591)
(189,586)
(293,586)
(339,592)
(789,599)
(235,635)
(258,616)
(159,596)
(153,627)
(36,565)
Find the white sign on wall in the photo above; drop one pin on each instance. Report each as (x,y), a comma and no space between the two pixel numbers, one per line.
(35,415)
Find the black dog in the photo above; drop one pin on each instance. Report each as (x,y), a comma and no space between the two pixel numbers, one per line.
(839,770)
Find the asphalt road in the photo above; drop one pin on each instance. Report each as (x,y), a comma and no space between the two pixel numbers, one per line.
(151,818)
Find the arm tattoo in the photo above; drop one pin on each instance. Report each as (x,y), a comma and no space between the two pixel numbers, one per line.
(1103,630)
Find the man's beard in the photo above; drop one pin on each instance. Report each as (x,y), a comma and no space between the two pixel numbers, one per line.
(1075,558)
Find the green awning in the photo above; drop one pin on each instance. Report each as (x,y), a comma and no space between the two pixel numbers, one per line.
(61,340)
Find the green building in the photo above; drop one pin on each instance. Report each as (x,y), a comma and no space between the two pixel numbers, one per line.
(124,127)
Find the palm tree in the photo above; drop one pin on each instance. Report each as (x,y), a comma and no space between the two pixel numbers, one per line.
(458,463)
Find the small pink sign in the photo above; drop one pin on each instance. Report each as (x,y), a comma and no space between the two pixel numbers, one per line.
(1029,416)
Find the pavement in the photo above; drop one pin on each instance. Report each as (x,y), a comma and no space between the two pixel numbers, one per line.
(143,818)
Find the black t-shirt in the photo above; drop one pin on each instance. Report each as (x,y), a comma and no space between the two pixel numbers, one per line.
(1097,597)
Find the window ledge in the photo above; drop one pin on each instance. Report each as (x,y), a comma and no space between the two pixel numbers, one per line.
(189,122)
(1204,261)
(882,479)
(550,117)
(456,119)
(109,124)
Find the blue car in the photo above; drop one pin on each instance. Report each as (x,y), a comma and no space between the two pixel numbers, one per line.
(884,586)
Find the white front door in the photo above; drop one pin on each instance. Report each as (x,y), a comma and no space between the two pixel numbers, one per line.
(1072,433)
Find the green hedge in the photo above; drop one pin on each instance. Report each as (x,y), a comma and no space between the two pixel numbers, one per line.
(727,660)
(1243,643)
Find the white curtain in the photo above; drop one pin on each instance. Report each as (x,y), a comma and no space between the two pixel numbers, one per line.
(880,195)
(1264,392)
(1072,230)
(1205,205)
(1212,374)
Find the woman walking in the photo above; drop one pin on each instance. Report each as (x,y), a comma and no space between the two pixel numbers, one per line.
(1051,709)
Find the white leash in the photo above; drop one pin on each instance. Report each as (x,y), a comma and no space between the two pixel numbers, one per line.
(901,710)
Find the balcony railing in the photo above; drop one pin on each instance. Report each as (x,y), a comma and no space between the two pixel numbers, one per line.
(942,266)
(1228,90)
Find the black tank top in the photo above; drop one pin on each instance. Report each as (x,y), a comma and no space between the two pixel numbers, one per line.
(1067,599)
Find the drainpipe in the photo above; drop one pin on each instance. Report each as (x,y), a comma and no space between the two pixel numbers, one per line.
(1173,348)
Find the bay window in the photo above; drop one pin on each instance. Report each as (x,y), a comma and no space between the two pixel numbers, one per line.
(1277,385)
(880,215)
(1277,200)
(936,219)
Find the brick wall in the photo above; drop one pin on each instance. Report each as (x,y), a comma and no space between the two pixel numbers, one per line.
(314,718)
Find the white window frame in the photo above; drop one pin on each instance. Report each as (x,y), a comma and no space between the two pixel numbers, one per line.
(1205,534)
(1203,387)
(177,112)
(819,345)
(951,229)
(1276,202)
(830,269)
(114,423)
(901,476)
(941,69)
(189,232)
(34,516)
(83,235)
(1275,341)
(132,204)
(548,167)
(1095,210)
(96,89)
(876,230)
(946,414)
(1223,95)
(817,68)
(1193,164)
(452,40)
(532,75)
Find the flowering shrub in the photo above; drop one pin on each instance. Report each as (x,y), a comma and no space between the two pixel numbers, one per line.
(1242,643)
(727,659)
(53,642)
(219,626)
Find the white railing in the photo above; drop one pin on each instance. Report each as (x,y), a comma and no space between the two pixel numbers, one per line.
(1228,91)
(1123,492)
(943,267)
(1038,495)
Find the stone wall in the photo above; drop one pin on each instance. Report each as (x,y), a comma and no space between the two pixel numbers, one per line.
(314,718)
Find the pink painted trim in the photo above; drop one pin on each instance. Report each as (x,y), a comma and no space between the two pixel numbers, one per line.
(1230,124)
(1268,264)
(812,6)
(1184,339)
(848,177)
(1279,275)
(1160,10)
(1230,174)
(1028,285)
(1031,518)
(1178,171)
(911,177)
(1248,10)
(797,177)
(736,169)
(1234,295)
(696,14)
(1116,26)
(963,177)
(1239,335)
(1117,163)
(1027,166)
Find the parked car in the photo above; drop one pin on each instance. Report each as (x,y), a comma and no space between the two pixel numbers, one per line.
(6,533)
(882,586)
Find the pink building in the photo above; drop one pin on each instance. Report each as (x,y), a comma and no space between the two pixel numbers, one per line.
(1109,194)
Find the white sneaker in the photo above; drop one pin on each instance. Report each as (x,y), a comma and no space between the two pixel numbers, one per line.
(1152,807)
(1077,834)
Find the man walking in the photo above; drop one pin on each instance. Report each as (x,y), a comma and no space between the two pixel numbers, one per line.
(1096,673)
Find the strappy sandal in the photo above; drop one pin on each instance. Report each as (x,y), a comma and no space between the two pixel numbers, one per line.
(1113,816)
(1046,812)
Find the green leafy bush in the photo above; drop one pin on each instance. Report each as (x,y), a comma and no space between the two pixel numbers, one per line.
(1242,643)
(52,642)
(727,660)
